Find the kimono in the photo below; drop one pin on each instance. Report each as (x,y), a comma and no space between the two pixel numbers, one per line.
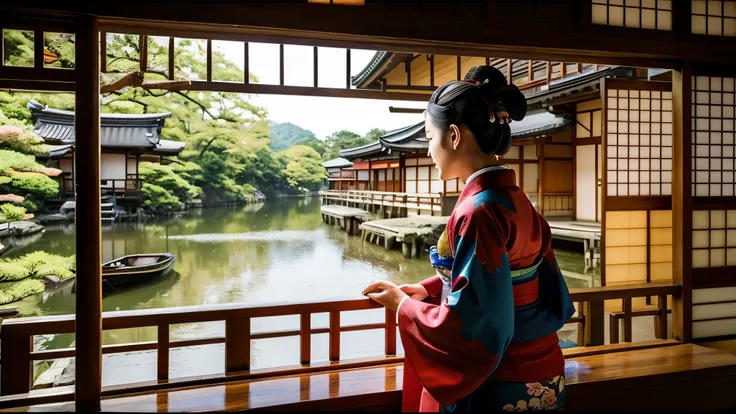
(492,343)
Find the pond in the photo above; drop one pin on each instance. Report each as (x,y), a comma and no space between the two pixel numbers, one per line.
(278,251)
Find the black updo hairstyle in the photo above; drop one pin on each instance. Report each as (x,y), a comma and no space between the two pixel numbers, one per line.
(479,101)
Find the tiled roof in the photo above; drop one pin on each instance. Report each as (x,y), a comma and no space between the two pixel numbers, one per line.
(116,130)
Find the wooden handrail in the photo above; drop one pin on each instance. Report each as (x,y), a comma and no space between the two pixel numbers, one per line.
(16,334)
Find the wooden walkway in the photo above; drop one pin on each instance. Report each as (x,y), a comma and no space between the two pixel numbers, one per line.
(641,376)
(414,233)
(587,232)
(347,217)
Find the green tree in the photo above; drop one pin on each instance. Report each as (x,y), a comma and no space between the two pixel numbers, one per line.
(316,144)
(342,140)
(20,175)
(226,136)
(304,169)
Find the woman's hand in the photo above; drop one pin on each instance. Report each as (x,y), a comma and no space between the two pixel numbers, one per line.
(415,291)
(385,293)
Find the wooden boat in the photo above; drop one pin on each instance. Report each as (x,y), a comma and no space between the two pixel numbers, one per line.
(136,268)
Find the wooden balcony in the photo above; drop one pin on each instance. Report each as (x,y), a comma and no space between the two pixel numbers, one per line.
(16,338)
(123,188)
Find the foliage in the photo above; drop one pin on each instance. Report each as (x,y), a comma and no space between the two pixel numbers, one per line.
(37,265)
(228,153)
(21,174)
(18,47)
(11,271)
(35,184)
(18,139)
(14,161)
(286,134)
(304,169)
(62,45)
(11,292)
(317,144)
(159,199)
(11,212)
(166,177)
(347,139)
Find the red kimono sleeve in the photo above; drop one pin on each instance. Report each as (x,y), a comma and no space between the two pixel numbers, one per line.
(454,347)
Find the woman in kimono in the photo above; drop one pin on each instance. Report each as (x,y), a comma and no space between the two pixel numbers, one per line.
(489,342)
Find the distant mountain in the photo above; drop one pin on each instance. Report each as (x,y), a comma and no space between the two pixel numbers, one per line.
(286,134)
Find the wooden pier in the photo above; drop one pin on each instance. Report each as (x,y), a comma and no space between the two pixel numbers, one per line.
(349,218)
(413,233)
(587,232)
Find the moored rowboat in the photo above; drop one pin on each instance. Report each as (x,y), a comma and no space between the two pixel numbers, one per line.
(136,268)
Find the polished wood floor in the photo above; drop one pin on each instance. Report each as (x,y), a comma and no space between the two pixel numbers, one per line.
(682,376)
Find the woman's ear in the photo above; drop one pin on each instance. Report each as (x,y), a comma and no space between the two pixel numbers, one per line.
(454,136)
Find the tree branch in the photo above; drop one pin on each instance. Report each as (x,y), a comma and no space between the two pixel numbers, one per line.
(206,147)
(196,103)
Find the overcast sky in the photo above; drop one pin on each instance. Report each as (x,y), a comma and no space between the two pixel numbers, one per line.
(323,116)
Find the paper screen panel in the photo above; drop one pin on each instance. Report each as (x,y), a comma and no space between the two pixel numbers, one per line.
(715,18)
(640,14)
(639,142)
(713,149)
(714,238)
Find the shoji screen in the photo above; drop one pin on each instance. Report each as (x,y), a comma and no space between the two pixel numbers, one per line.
(714,205)
(637,203)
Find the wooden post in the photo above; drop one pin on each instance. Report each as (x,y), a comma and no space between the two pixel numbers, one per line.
(593,323)
(88,326)
(305,338)
(334,336)
(237,345)
(390,332)
(682,215)
(627,320)
(16,369)
(163,351)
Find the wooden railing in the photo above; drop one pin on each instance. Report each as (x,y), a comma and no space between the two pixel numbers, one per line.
(376,201)
(118,186)
(121,187)
(16,335)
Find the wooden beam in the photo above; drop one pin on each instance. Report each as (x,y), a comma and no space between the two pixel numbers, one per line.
(399,110)
(515,36)
(682,216)
(304,91)
(38,48)
(316,67)
(88,327)
(103,52)
(209,60)
(281,64)
(246,63)
(347,66)
(143,52)
(172,57)
(35,85)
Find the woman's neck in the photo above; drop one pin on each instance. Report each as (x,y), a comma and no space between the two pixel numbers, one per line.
(475,164)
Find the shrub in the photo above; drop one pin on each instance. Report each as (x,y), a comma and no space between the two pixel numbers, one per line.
(11,292)
(11,212)
(157,199)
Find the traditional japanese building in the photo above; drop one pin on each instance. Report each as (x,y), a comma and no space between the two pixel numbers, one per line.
(340,174)
(125,141)
(554,148)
